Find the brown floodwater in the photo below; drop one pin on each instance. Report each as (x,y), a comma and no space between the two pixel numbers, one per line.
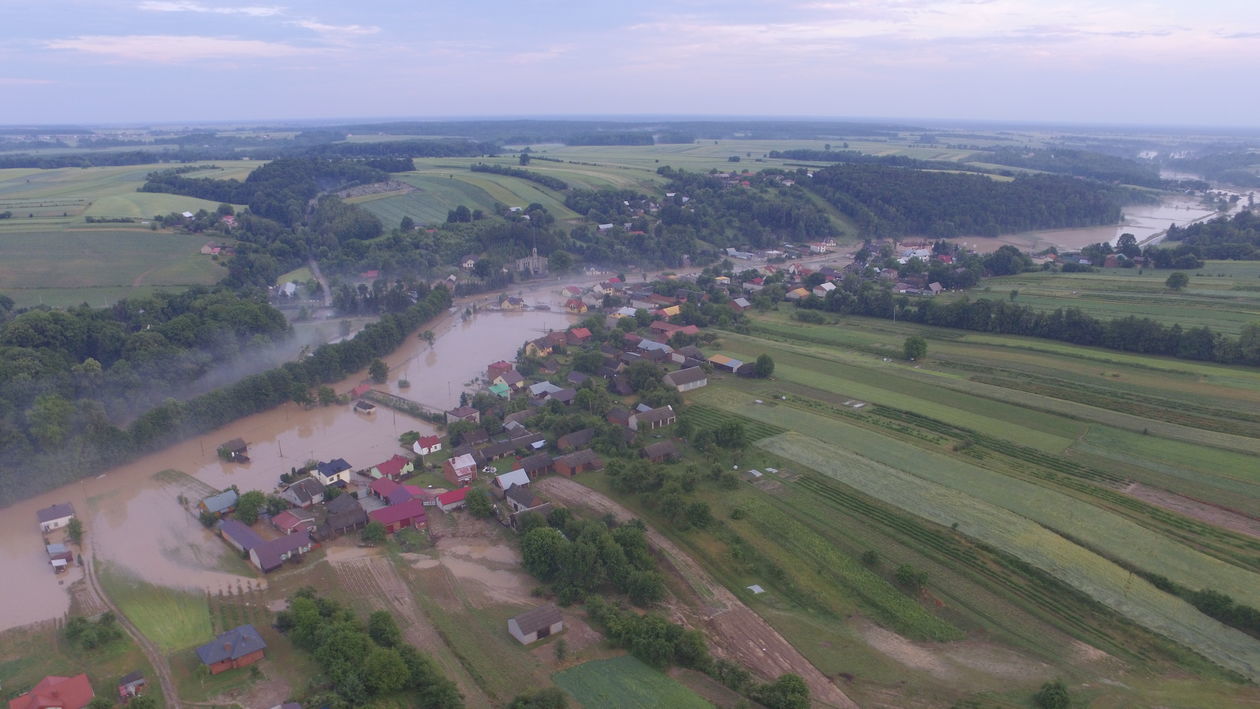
(132,515)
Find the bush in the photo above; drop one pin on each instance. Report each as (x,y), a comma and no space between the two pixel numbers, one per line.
(1052,695)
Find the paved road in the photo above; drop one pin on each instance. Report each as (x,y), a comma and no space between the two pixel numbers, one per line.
(151,651)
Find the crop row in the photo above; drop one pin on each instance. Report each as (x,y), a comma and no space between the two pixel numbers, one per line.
(709,417)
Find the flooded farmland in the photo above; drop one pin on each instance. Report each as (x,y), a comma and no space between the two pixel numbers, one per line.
(132,515)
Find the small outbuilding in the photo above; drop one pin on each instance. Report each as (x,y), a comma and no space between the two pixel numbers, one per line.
(131,685)
(219,503)
(532,626)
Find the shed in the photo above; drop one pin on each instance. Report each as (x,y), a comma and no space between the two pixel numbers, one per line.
(406,514)
(519,499)
(239,647)
(55,516)
(453,500)
(238,534)
(579,462)
(235,450)
(687,379)
(575,440)
(653,419)
(220,503)
(131,685)
(532,626)
(661,452)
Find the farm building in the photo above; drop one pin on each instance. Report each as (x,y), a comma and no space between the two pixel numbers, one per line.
(460,470)
(335,471)
(511,379)
(238,534)
(59,556)
(295,520)
(579,462)
(131,685)
(304,493)
(453,500)
(55,516)
(532,626)
(724,363)
(537,464)
(57,692)
(575,440)
(239,647)
(400,516)
(344,514)
(219,503)
(520,499)
(394,468)
(463,413)
(271,554)
(507,480)
(687,379)
(653,419)
(235,450)
(739,305)
(425,445)
(661,452)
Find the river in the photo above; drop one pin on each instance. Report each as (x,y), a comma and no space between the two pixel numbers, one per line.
(131,514)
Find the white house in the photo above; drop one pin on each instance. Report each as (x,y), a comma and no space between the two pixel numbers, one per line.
(55,516)
(532,626)
(336,470)
(426,445)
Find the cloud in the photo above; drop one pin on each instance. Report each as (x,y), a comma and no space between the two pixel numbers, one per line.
(324,29)
(187,6)
(19,81)
(539,55)
(174,48)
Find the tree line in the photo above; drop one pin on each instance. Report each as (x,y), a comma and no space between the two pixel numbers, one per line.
(554,183)
(1236,237)
(1079,163)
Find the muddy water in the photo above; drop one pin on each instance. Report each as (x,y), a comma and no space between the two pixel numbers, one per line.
(131,512)
(1143,221)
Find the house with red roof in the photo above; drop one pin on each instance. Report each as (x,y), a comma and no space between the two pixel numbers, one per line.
(425,445)
(498,368)
(360,390)
(293,521)
(579,335)
(400,516)
(394,468)
(575,306)
(453,500)
(55,692)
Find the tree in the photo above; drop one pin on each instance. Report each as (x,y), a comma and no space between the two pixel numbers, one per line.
(765,366)
(75,530)
(383,630)
(541,552)
(1052,695)
(915,347)
(384,671)
(249,505)
(478,503)
(789,691)
(549,698)
(1177,280)
(379,371)
(143,701)
(374,533)
(407,224)
(910,577)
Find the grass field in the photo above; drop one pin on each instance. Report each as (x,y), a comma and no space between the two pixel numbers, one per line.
(625,683)
(1223,295)
(29,654)
(171,618)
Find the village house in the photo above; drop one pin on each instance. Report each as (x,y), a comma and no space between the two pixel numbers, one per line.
(406,514)
(540,347)
(239,647)
(575,306)
(453,500)
(496,370)
(653,419)
(578,462)
(367,408)
(334,472)
(687,379)
(293,521)
(304,492)
(463,413)
(537,464)
(55,692)
(661,452)
(55,516)
(131,685)
(501,483)
(578,335)
(344,514)
(576,439)
(532,626)
(425,445)
(394,468)
(511,379)
(739,305)
(619,416)
(460,470)
(235,450)
(271,554)
(520,498)
(219,503)
(238,534)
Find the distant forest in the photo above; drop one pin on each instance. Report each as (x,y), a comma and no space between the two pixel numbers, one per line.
(1080,163)
(1221,238)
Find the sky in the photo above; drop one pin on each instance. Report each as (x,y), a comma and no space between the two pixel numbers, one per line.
(1156,62)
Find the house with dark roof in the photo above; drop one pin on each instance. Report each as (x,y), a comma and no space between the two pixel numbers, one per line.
(238,534)
(271,554)
(578,335)
(661,452)
(654,419)
(520,498)
(55,516)
(235,450)
(342,514)
(219,503)
(239,647)
(687,379)
(131,685)
(406,514)
(619,415)
(537,464)
(304,493)
(55,692)
(532,626)
(576,439)
(578,462)
(463,413)
(334,472)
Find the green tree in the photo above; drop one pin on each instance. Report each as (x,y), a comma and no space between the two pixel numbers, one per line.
(383,630)
(374,533)
(1177,280)
(143,701)
(407,224)
(384,671)
(765,366)
(75,530)
(379,371)
(789,691)
(249,505)
(910,577)
(560,261)
(1052,695)
(915,347)
(327,396)
(478,503)
(549,698)
(542,550)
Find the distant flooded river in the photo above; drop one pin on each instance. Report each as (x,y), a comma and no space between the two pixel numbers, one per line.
(132,517)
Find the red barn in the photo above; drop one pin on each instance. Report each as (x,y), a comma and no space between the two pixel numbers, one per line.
(405,514)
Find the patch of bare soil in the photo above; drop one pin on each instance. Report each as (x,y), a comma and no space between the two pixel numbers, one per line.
(375,581)
(948,660)
(264,693)
(1192,508)
(83,601)
(737,632)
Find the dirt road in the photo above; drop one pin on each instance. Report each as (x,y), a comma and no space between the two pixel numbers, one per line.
(151,651)
(736,630)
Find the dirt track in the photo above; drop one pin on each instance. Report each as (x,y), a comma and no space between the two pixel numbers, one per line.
(736,630)
(1202,511)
